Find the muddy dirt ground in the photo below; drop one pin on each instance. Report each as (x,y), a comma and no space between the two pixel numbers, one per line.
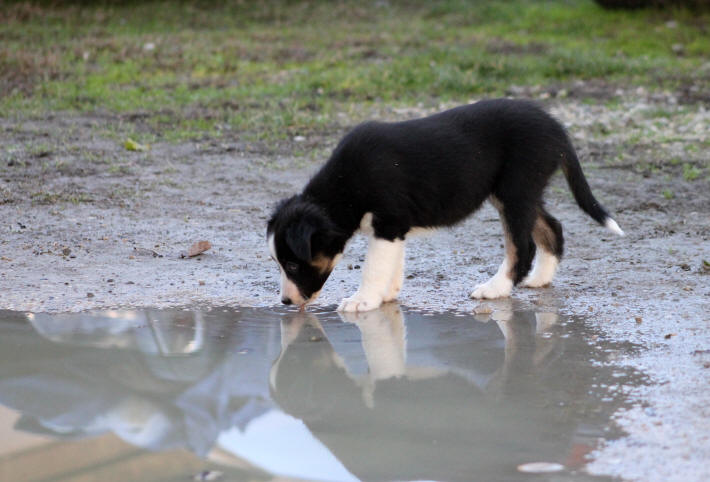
(87,224)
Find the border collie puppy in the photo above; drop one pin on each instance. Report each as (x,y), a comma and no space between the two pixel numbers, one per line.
(390,180)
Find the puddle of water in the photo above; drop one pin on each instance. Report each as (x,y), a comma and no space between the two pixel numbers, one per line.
(256,394)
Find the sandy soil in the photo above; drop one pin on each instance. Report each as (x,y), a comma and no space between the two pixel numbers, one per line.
(87,224)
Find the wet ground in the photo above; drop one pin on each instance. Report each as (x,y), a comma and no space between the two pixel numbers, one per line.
(87,225)
(260,394)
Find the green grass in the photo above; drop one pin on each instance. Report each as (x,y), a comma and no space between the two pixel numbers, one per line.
(690,172)
(275,69)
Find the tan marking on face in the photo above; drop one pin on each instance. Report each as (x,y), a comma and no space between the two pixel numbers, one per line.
(324,264)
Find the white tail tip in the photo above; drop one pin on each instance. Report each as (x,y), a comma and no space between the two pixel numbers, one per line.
(611,225)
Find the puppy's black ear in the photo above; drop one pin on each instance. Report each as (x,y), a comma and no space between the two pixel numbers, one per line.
(299,236)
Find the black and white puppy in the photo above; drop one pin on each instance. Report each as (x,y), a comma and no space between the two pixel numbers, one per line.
(392,179)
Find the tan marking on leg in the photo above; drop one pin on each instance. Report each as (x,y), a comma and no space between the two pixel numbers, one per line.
(501,283)
(546,261)
(544,236)
(511,254)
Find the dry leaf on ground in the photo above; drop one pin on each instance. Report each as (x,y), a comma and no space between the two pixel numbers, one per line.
(198,248)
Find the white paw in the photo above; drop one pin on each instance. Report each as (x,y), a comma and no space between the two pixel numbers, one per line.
(393,292)
(543,271)
(493,288)
(535,282)
(360,302)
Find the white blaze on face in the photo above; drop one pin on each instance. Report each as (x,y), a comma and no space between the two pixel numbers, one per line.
(288,288)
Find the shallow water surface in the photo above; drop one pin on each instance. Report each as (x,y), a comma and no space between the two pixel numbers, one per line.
(258,394)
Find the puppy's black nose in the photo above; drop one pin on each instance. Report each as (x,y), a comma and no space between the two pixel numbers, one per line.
(286,301)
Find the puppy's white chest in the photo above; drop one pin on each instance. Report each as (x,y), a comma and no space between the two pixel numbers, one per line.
(366,225)
(367,229)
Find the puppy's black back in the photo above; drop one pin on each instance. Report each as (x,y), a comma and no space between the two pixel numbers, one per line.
(437,170)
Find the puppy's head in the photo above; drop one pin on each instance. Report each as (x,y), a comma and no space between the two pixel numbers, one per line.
(306,244)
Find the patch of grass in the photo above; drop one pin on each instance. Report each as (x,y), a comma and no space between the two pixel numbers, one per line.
(690,172)
(45,197)
(41,149)
(668,194)
(275,69)
(119,169)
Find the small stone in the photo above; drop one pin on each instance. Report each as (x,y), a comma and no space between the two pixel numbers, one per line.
(201,282)
(66,251)
(540,467)
(638,319)
(89,295)
(483,310)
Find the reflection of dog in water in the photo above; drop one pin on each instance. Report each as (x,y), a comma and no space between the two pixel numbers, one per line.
(406,420)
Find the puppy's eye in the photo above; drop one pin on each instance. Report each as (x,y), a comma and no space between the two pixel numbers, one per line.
(291,267)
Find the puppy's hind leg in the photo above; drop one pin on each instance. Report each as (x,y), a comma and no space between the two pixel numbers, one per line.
(501,284)
(547,234)
(517,218)
(381,264)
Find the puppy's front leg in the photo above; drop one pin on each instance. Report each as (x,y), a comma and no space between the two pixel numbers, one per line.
(381,265)
(397,276)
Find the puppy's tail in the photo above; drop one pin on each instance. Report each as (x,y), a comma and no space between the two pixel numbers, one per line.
(583,194)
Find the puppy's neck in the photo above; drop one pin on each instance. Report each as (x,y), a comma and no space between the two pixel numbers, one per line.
(342,214)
